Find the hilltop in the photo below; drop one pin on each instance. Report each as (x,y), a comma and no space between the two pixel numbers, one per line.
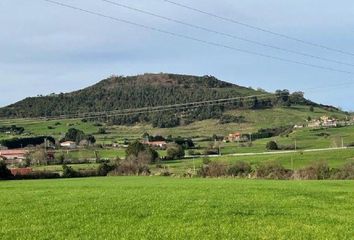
(150,90)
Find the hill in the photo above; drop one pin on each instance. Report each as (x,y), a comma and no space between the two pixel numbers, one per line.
(151,90)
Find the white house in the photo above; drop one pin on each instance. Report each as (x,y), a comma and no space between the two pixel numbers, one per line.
(68,144)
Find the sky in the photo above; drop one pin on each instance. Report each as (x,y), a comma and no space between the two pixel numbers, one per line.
(46,48)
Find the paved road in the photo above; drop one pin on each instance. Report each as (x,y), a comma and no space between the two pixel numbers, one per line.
(276,152)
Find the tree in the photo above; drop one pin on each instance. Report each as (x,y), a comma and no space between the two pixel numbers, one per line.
(134,149)
(297,97)
(282,97)
(102,131)
(174,152)
(39,157)
(77,136)
(272,145)
(312,109)
(74,135)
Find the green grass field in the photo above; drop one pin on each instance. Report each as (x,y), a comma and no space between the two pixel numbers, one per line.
(255,119)
(170,208)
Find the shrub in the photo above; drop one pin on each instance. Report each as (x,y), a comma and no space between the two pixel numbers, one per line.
(102,131)
(175,152)
(104,168)
(316,171)
(213,169)
(272,170)
(38,175)
(130,166)
(165,172)
(69,172)
(5,173)
(272,145)
(240,169)
(346,172)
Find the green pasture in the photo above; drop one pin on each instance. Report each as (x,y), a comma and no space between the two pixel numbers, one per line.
(170,208)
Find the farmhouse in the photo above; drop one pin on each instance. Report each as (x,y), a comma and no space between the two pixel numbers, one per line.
(13,154)
(233,137)
(21,171)
(68,144)
(156,144)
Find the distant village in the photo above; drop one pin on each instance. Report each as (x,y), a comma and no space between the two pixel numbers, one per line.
(19,155)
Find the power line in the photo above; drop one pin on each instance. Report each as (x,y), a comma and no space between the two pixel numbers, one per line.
(197,39)
(259,28)
(226,34)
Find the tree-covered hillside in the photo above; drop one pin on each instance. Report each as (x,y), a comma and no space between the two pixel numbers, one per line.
(149,90)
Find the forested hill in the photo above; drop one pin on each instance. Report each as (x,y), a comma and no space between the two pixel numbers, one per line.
(128,92)
(118,92)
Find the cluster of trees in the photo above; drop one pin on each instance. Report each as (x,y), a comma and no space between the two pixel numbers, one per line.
(25,142)
(78,136)
(13,129)
(271,132)
(231,119)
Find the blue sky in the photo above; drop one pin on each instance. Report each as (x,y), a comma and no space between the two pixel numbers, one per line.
(46,48)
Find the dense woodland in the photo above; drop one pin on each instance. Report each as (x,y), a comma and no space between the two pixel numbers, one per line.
(149,90)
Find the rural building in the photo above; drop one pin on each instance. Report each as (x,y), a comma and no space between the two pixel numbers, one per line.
(156,144)
(13,154)
(314,124)
(328,122)
(68,144)
(324,121)
(233,137)
(21,171)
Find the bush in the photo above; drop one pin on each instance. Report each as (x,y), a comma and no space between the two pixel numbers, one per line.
(69,172)
(213,169)
(175,152)
(104,168)
(5,173)
(38,175)
(165,172)
(130,166)
(345,173)
(316,171)
(240,169)
(272,145)
(272,170)
(102,131)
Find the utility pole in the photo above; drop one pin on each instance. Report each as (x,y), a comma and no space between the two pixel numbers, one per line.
(295,145)
(292,163)
(220,148)
(342,142)
(45,145)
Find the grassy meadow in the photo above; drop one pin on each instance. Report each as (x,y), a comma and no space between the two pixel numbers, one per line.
(171,208)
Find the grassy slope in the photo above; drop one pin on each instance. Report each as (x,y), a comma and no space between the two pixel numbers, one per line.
(256,119)
(167,208)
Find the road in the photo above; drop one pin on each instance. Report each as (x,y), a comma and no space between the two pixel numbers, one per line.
(274,152)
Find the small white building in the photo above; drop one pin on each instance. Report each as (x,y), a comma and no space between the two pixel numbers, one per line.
(68,144)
